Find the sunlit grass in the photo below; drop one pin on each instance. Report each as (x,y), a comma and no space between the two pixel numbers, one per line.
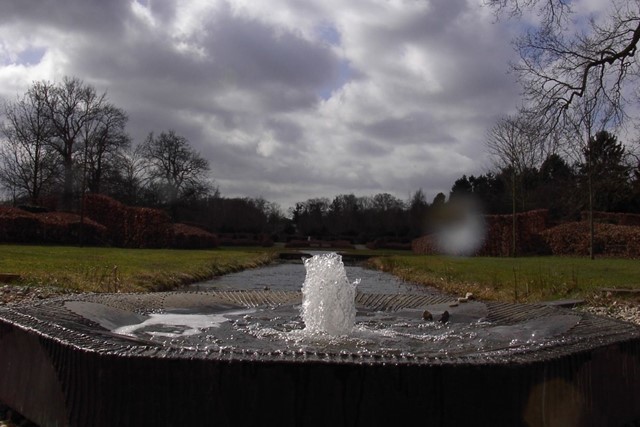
(134,270)
(520,279)
(127,270)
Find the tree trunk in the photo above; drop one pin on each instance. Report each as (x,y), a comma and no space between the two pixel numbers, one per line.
(513,215)
(67,190)
(591,225)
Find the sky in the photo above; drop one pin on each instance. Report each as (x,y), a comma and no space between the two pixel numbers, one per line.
(287,99)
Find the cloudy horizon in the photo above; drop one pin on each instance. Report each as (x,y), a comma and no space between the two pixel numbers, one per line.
(287,100)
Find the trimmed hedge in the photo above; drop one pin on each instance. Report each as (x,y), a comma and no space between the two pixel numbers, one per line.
(130,227)
(67,228)
(134,227)
(107,221)
(110,213)
(609,239)
(613,218)
(190,237)
(387,243)
(498,240)
(565,239)
(19,226)
(147,228)
(323,244)
(425,245)
(245,239)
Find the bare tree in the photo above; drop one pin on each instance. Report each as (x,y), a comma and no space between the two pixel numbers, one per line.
(561,61)
(174,168)
(66,127)
(71,107)
(577,75)
(104,140)
(550,12)
(128,178)
(517,145)
(586,117)
(28,165)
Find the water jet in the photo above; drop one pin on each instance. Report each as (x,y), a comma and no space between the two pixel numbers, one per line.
(241,358)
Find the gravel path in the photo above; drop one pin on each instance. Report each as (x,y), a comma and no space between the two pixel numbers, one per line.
(619,308)
(12,294)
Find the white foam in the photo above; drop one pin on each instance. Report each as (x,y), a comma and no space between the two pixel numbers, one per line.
(328,298)
(184,324)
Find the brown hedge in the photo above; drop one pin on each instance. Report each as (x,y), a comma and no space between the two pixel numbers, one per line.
(387,243)
(609,239)
(107,221)
(245,239)
(425,245)
(19,226)
(324,244)
(147,228)
(68,228)
(130,227)
(190,237)
(498,240)
(110,213)
(135,227)
(617,218)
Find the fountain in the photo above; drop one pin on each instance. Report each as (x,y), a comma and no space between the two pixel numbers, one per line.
(328,355)
(328,298)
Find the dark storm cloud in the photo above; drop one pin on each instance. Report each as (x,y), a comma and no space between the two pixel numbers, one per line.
(413,128)
(281,71)
(75,16)
(286,131)
(367,148)
(286,99)
(255,55)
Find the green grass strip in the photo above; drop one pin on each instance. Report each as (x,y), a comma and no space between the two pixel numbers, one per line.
(98,269)
(516,279)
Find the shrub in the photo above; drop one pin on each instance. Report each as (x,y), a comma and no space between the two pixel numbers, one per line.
(498,239)
(110,213)
(147,228)
(425,245)
(67,228)
(609,239)
(190,237)
(18,226)
(245,239)
(613,218)
(130,227)
(389,243)
(322,244)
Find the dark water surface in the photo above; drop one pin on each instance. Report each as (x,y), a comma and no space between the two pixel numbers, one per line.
(268,329)
(290,277)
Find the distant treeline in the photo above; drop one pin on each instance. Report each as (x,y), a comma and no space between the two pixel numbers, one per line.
(59,142)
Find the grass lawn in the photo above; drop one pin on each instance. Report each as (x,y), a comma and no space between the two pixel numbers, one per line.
(515,279)
(127,270)
(132,270)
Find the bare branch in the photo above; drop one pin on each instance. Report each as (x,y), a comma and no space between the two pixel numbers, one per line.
(564,60)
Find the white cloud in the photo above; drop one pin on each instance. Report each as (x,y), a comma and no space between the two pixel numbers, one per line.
(287,99)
